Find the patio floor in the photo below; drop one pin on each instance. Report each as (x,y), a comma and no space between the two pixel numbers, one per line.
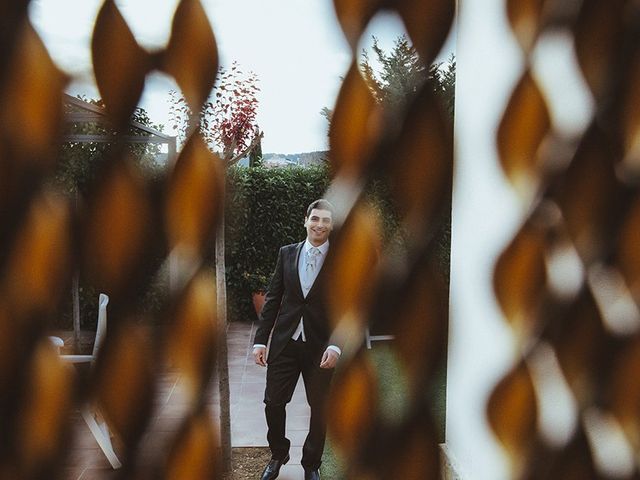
(248,427)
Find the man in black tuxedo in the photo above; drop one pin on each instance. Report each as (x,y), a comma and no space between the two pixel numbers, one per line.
(295,315)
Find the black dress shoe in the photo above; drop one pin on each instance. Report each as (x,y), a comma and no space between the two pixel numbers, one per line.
(272,470)
(312,474)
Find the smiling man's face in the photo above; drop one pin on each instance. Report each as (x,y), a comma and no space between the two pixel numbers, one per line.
(319,225)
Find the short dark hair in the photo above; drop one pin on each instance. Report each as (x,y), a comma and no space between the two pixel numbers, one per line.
(320,204)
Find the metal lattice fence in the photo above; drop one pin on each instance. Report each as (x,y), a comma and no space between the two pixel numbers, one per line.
(129,221)
(568,281)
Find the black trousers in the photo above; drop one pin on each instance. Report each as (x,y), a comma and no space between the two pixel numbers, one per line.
(282,375)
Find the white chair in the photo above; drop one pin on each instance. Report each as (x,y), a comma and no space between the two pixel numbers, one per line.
(368,338)
(94,420)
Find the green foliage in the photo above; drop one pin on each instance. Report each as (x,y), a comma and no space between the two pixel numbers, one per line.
(400,76)
(152,302)
(77,167)
(393,401)
(88,297)
(402,73)
(327,113)
(79,162)
(265,210)
(448,84)
(227,120)
(256,282)
(377,195)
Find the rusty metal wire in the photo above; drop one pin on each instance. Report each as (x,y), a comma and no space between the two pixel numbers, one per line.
(128,221)
(567,282)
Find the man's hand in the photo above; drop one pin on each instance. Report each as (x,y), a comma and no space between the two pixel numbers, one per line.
(260,355)
(329,358)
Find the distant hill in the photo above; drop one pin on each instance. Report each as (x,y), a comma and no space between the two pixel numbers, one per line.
(303,159)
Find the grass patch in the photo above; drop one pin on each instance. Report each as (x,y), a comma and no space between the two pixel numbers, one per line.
(393,395)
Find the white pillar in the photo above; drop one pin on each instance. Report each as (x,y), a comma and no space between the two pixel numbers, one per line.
(486,213)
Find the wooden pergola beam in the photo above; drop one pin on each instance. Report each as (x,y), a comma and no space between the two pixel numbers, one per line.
(90,113)
(97,138)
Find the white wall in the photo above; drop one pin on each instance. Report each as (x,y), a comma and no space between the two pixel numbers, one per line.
(485,215)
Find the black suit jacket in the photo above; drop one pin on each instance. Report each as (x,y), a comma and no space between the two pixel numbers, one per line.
(285,305)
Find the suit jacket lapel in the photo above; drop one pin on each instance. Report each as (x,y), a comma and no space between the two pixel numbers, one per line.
(295,269)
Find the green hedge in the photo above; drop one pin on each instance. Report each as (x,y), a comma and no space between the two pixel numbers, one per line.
(265,209)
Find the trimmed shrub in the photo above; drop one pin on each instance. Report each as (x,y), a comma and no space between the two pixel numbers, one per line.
(265,210)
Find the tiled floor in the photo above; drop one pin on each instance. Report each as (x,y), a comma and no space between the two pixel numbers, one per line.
(248,427)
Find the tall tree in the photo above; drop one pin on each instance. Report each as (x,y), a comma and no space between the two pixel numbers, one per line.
(394,78)
(229,127)
(447,83)
(401,73)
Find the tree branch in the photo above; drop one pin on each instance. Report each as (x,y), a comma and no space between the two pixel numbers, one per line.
(244,152)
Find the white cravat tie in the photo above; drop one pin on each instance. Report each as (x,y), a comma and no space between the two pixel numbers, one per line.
(307,277)
(310,269)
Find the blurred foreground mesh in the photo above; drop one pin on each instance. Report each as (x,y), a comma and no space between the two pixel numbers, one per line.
(116,235)
(568,281)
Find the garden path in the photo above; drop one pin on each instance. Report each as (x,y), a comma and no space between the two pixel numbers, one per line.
(248,427)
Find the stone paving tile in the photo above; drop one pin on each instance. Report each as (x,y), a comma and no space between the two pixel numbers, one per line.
(296,456)
(298,422)
(172,410)
(244,410)
(297,437)
(298,409)
(72,472)
(291,472)
(236,372)
(248,426)
(299,395)
(236,361)
(255,434)
(162,424)
(255,390)
(102,473)
(86,458)
(254,376)
(83,438)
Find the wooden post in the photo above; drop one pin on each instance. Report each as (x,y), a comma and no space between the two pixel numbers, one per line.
(223,364)
(75,296)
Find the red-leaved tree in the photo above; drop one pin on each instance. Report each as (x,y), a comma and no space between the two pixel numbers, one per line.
(228,121)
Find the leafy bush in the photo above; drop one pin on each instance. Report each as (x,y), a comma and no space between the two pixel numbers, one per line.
(265,210)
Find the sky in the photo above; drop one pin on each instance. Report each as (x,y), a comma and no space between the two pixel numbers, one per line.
(295,47)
